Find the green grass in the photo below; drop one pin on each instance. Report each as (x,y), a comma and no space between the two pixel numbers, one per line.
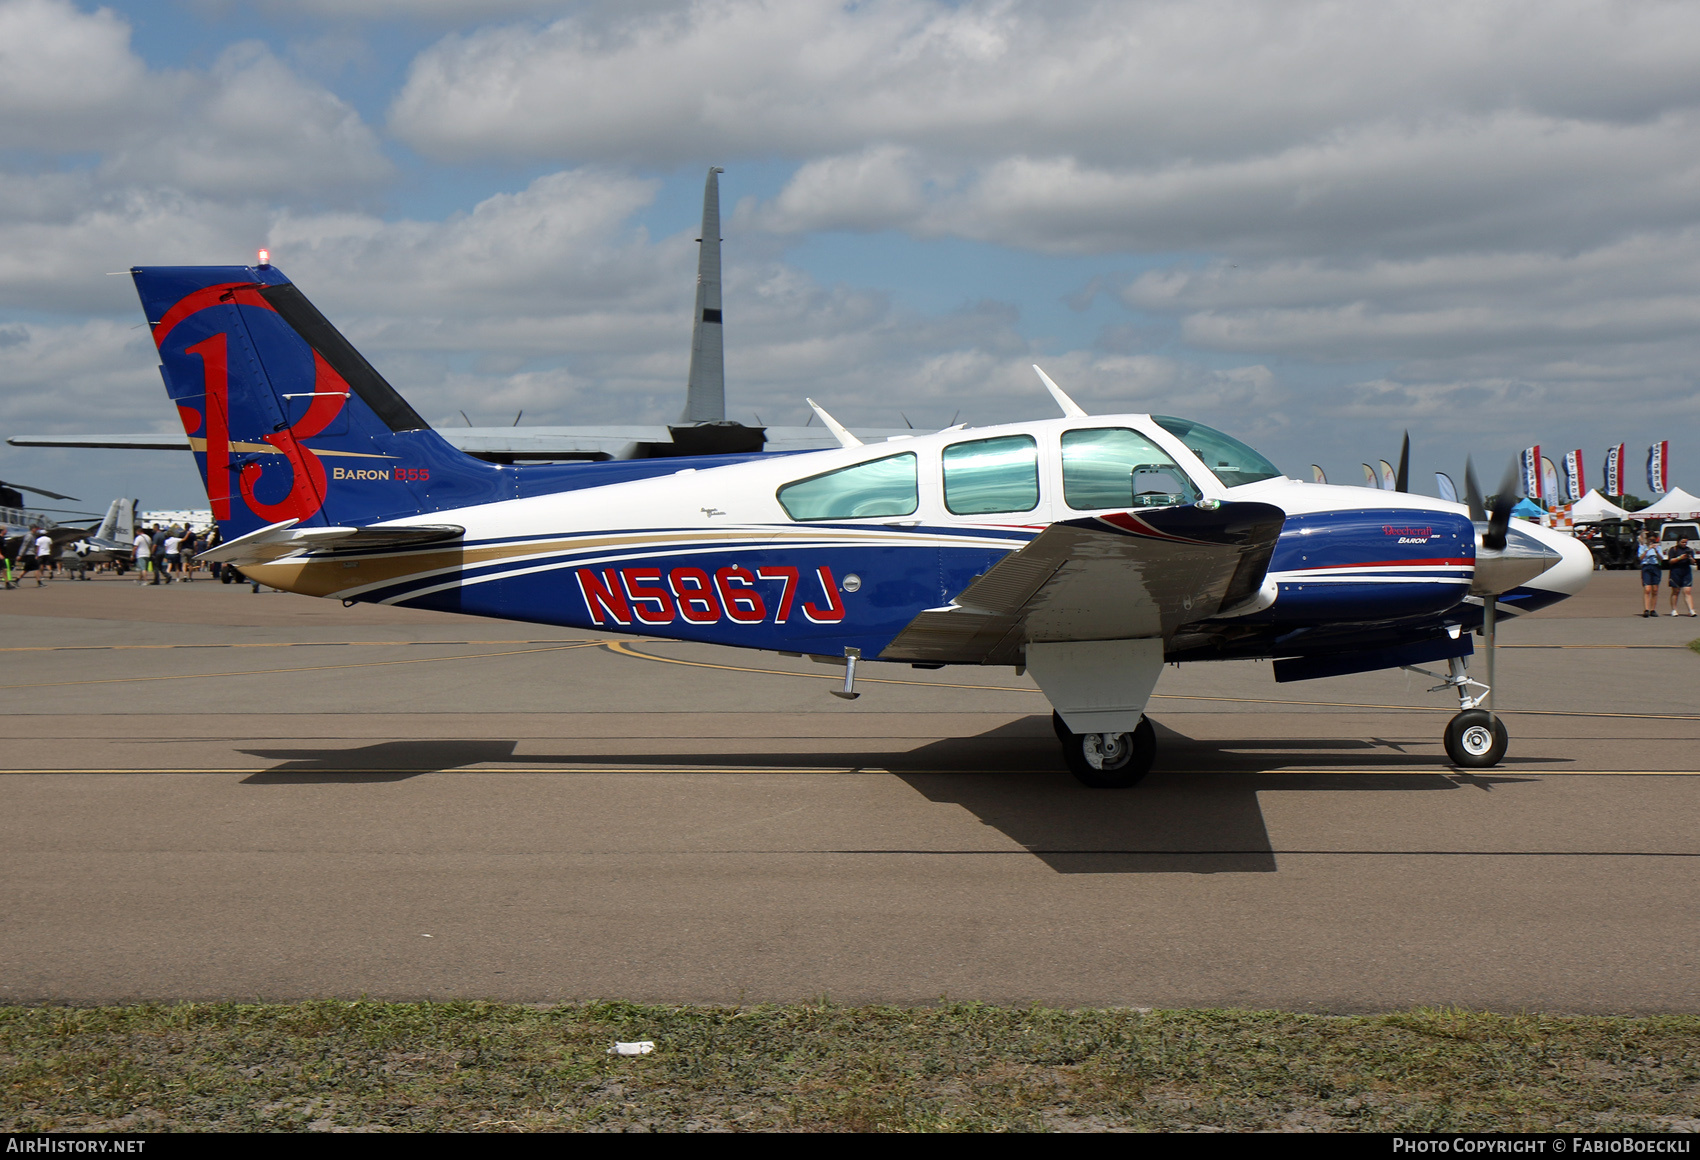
(1695,645)
(494,1067)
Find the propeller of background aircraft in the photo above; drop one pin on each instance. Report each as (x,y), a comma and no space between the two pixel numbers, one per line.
(17,487)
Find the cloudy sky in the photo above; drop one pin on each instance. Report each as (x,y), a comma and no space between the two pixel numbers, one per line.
(1310,223)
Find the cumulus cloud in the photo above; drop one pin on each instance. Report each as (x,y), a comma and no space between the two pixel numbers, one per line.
(1106,82)
(1227,126)
(71,84)
(68,79)
(457,11)
(1632,292)
(252,126)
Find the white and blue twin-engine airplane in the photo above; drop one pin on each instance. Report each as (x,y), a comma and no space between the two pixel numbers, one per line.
(1087,550)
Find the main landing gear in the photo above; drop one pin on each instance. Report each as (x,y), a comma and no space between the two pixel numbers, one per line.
(1108,760)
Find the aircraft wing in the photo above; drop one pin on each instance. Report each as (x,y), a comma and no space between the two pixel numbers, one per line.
(61,535)
(1118,577)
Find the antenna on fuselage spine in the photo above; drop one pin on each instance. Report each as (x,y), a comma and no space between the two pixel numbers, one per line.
(1070,408)
(839,431)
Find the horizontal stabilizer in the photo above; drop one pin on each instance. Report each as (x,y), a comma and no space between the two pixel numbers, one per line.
(285,539)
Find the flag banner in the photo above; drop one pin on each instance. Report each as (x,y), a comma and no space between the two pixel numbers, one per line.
(1369,476)
(1614,470)
(1444,483)
(1387,476)
(1658,467)
(1575,479)
(1317,474)
(1549,482)
(1531,461)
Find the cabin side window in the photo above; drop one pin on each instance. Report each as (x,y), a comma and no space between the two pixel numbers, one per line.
(1114,467)
(992,475)
(880,487)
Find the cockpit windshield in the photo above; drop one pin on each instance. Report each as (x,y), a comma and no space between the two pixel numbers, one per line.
(1228,459)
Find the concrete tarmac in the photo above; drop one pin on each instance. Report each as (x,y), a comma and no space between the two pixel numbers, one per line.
(209,794)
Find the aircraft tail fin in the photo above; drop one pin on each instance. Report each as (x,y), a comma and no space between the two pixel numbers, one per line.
(109,526)
(705,395)
(285,418)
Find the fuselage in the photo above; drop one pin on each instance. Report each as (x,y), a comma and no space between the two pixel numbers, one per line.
(823,551)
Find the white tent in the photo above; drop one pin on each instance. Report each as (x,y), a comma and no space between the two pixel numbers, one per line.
(1675,504)
(1595,506)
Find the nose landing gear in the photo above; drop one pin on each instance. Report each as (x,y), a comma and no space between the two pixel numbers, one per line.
(1475,738)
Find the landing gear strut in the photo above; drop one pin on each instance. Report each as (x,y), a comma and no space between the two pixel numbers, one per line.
(1475,738)
(1108,760)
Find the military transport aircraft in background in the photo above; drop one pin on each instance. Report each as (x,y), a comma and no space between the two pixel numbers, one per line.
(1087,550)
(702,429)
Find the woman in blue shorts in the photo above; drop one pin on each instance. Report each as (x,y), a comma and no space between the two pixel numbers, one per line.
(1680,561)
(1650,565)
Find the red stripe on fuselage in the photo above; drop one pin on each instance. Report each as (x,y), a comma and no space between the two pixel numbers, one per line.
(1459,562)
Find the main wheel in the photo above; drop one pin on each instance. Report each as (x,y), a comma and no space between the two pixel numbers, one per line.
(1475,739)
(1108,760)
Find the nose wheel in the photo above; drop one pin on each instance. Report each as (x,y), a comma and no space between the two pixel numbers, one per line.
(1476,739)
(1108,760)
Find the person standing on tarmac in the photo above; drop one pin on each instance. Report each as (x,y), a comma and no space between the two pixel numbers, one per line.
(1651,562)
(44,558)
(160,576)
(26,555)
(144,554)
(1680,561)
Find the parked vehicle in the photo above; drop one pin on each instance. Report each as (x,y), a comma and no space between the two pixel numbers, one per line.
(1612,543)
(1669,531)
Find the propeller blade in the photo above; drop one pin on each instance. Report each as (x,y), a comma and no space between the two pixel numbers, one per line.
(1402,481)
(1473,493)
(1499,519)
(40,491)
